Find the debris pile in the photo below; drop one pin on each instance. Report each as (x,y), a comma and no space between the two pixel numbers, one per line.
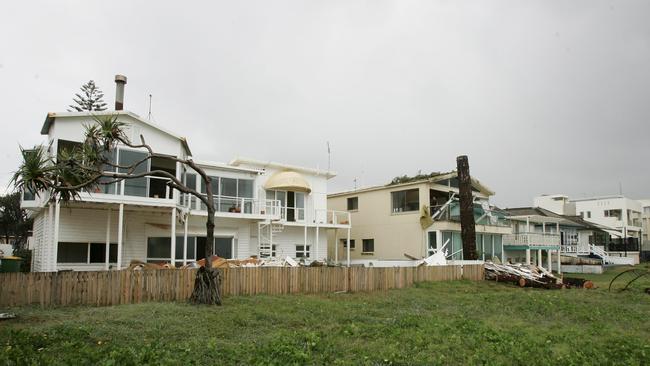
(522,275)
(219,262)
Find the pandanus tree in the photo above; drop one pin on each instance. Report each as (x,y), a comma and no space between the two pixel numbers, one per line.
(89,166)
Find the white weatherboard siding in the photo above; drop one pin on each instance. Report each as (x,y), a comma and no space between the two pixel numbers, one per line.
(291,236)
(39,240)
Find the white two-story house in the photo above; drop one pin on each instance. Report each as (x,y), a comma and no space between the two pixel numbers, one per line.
(264,209)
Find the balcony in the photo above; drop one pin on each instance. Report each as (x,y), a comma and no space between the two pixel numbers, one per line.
(227,206)
(532,241)
(332,218)
(148,190)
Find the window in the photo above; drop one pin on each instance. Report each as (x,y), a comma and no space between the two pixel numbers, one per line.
(72,253)
(368,245)
(345,243)
(159,249)
(85,253)
(588,214)
(98,253)
(274,251)
(136,186)
(613,213)
(404,201)
(68,147)
(582,215)
(353,203)
(302,251)
(433,242)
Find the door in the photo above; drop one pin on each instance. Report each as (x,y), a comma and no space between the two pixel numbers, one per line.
(291,203)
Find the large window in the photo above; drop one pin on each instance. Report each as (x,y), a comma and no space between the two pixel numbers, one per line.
(405,201)
(159,249)
(229,192)
(353,203)
(613,213)
(368,246)
(85,253)
(136,186)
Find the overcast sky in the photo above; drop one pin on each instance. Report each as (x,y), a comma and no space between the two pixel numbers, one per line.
(543,96)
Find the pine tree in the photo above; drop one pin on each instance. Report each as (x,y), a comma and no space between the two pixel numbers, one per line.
(90,99)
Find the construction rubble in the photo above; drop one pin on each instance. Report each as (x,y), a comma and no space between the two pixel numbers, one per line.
(218,262)
(531,276)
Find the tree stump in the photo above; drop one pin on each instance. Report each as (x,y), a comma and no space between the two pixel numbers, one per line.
(207,287)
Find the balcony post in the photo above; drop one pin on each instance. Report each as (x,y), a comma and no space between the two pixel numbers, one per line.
(548,260)
(187,219)
(336,245)
(348,248)
(120,228)
(539,258)
(527,256)
(173,238)
(108,238)
(55,236)
(317,241)
(559,261)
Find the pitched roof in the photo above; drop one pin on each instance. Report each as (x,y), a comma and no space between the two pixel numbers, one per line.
(49,121)
(568,219)
(431,179)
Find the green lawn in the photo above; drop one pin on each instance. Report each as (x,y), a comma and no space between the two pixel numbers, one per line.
(432,323)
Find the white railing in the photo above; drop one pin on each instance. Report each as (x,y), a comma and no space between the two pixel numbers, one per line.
(297,212)
(608,259)
(528,239)
(569,249)
(331,217)
(236,205)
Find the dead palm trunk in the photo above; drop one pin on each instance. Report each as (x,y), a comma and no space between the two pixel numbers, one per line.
(467,225)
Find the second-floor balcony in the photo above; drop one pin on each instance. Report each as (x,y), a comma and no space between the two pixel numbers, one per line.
(148,190)
(532,240)
(227,206)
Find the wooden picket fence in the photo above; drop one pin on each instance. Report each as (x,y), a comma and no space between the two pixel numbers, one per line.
(130,287)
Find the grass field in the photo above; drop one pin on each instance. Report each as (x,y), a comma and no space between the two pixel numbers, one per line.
(432,323)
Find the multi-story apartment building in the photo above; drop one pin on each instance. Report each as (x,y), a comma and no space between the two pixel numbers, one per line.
(263,208)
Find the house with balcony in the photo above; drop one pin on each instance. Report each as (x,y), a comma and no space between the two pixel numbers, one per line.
(403,220)
(612,225)
(540,234)
(263,209)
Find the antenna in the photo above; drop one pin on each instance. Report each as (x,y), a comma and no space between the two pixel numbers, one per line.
(150,97)
(355,184)
(620,188)
(329,157)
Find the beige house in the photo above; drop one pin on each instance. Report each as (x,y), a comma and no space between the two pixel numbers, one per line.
(400,221)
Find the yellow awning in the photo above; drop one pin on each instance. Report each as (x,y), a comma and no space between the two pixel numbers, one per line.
(288,181)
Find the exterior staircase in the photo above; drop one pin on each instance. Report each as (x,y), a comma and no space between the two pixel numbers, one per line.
(266,231)
(608,259)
